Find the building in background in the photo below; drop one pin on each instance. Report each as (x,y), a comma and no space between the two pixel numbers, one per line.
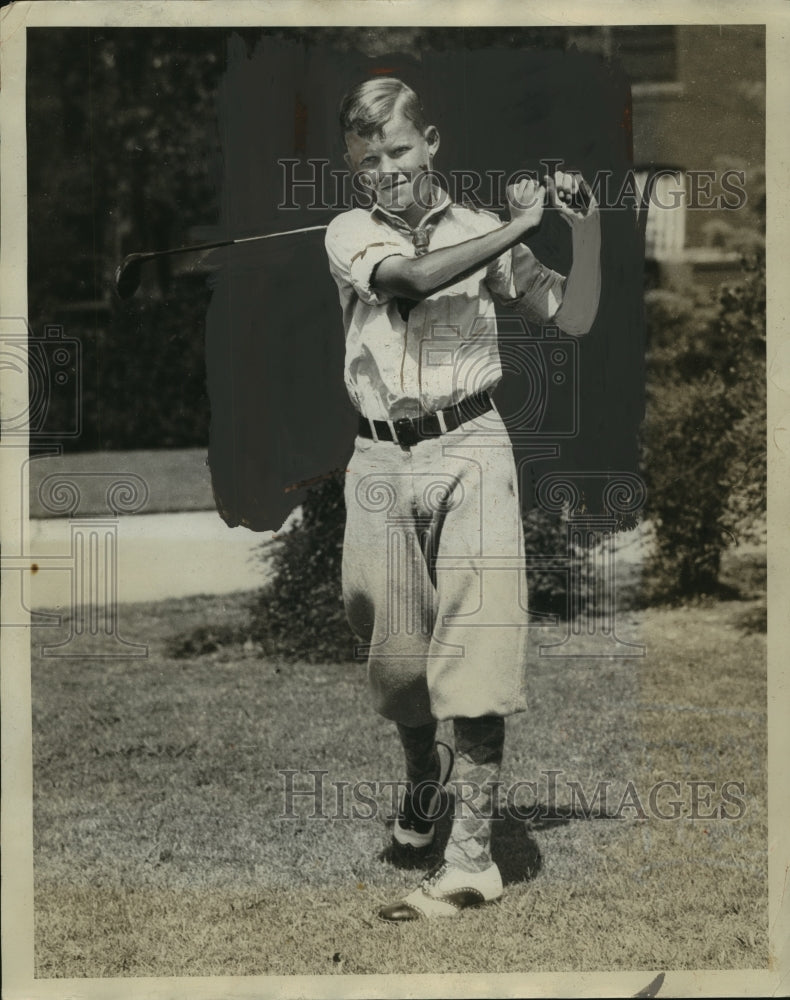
(698,111)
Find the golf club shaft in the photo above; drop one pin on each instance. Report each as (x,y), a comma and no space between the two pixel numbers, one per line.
(225,243)
(583,199)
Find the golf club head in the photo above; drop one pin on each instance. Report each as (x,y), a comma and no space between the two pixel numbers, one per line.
(127,276)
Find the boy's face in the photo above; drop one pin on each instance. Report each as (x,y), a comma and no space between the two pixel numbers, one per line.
(392,161)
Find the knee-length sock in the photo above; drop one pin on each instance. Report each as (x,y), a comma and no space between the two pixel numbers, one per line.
(422,762)
(479,744)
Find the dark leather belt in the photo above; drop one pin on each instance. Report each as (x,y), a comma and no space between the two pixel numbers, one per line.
(408,431)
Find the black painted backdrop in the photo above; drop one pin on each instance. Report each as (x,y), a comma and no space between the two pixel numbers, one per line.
(275,340)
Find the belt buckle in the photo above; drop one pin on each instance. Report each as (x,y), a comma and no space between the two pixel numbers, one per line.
(407,432)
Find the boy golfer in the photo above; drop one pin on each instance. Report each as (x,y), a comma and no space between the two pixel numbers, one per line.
(433,562)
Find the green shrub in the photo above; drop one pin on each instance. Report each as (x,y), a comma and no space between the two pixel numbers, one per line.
(299,614)
(546,534)
(704,435)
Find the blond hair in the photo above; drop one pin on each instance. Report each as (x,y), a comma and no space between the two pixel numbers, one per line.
(367,108)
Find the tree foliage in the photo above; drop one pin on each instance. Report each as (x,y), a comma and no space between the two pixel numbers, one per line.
(123,155)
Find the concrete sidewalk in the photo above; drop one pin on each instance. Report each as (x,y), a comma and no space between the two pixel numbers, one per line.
(157,556)
(174,545)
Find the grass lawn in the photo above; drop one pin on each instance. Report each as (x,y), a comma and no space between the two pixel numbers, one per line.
(161,848)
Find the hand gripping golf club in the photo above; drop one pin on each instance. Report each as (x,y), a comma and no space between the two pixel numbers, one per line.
(128,273)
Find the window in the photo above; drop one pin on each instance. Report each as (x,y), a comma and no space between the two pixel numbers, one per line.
(665,233)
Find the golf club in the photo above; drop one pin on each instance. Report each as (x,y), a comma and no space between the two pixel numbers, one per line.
(128,273)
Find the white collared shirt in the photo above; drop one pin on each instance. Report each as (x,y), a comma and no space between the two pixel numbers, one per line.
(446,346)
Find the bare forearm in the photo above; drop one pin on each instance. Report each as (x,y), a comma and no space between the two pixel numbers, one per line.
(583,285)
(418,277)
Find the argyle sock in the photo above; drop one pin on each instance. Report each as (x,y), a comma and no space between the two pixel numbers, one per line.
(479,744)
(422,764)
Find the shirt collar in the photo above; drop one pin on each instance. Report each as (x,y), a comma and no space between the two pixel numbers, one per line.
(430,218)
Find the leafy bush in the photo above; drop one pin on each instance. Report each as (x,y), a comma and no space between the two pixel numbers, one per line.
(704,435)
(546,534)
(299,613)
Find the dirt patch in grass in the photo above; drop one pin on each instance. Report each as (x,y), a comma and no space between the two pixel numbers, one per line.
(166,845)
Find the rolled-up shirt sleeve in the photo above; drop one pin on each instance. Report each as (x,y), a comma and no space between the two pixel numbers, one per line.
(354,252)
(519,280)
